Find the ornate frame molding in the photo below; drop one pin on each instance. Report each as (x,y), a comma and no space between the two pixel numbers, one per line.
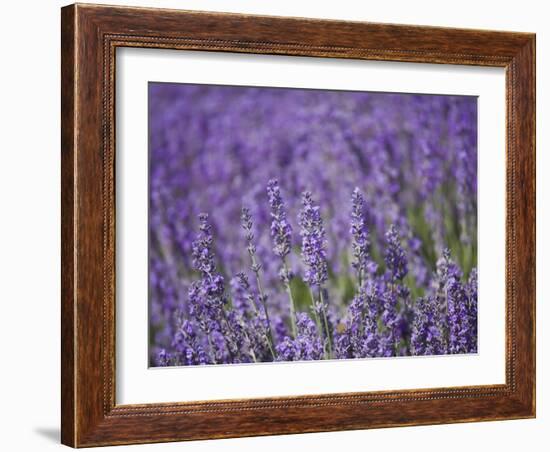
(90,37)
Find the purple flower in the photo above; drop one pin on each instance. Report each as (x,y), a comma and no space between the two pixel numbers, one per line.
(187,343)
(313,242)
(281,230)
(255,266)
(203,259)
(247,225)
(306,346)
(360,236)
(459,302)
(314,256)
(471,290)
(396,261)
(242,301)
(390,318)
(212,150)
(427,337)
(457,305)
(164,358)
(360,337)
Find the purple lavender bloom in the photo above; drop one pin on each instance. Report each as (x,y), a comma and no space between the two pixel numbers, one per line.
(238,342)
(459,302)
(203,259)
(190,350)
(281,233)
(239,295)
(307,344)
(213,148)
(314,251)
(360,236)
(255,266)
(314,256)
(390,320)
(281,230)
(427,337)
(207,299)
(471,290)
(247,225)
(396,261)
(200,309)
(164,358)
(361,338)
(457,305)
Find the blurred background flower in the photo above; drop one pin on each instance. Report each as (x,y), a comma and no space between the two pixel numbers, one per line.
(362,216)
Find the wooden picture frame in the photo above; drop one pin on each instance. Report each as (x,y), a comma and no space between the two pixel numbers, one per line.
(90,35)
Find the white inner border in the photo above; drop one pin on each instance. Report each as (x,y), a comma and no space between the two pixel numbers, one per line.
(136,383)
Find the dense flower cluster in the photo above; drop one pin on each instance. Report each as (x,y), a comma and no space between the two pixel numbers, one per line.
(338,225)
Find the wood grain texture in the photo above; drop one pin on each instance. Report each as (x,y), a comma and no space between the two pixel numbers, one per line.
(68,311)
(90,36)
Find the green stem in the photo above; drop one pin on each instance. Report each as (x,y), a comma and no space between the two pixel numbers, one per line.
(263,298)
(250,348)
(292,305)
(392,290)
(266,336)
(212,356)
(250,299)
(228,326)
(315,314)
(327,331)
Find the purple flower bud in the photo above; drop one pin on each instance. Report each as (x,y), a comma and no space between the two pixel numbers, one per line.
(313,242)
(360,236)
(427,336)
(203,259)
(307,345)
(396,261)
(281,230)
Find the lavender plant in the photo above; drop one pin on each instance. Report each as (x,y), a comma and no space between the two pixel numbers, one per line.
(314,258)
(382,191)
(281,232)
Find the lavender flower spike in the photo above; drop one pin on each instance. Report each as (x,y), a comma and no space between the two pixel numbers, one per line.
(306,346)
(281,230)
(396,261)
(255,266)
(203,258)
(206,296)
(281,233)
(427,337)
(314,255)
(360,236)
(314,252)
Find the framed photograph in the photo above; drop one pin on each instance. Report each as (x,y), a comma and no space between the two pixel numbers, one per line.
(281,225)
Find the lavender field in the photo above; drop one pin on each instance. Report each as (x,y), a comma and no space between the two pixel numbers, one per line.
(292,225)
